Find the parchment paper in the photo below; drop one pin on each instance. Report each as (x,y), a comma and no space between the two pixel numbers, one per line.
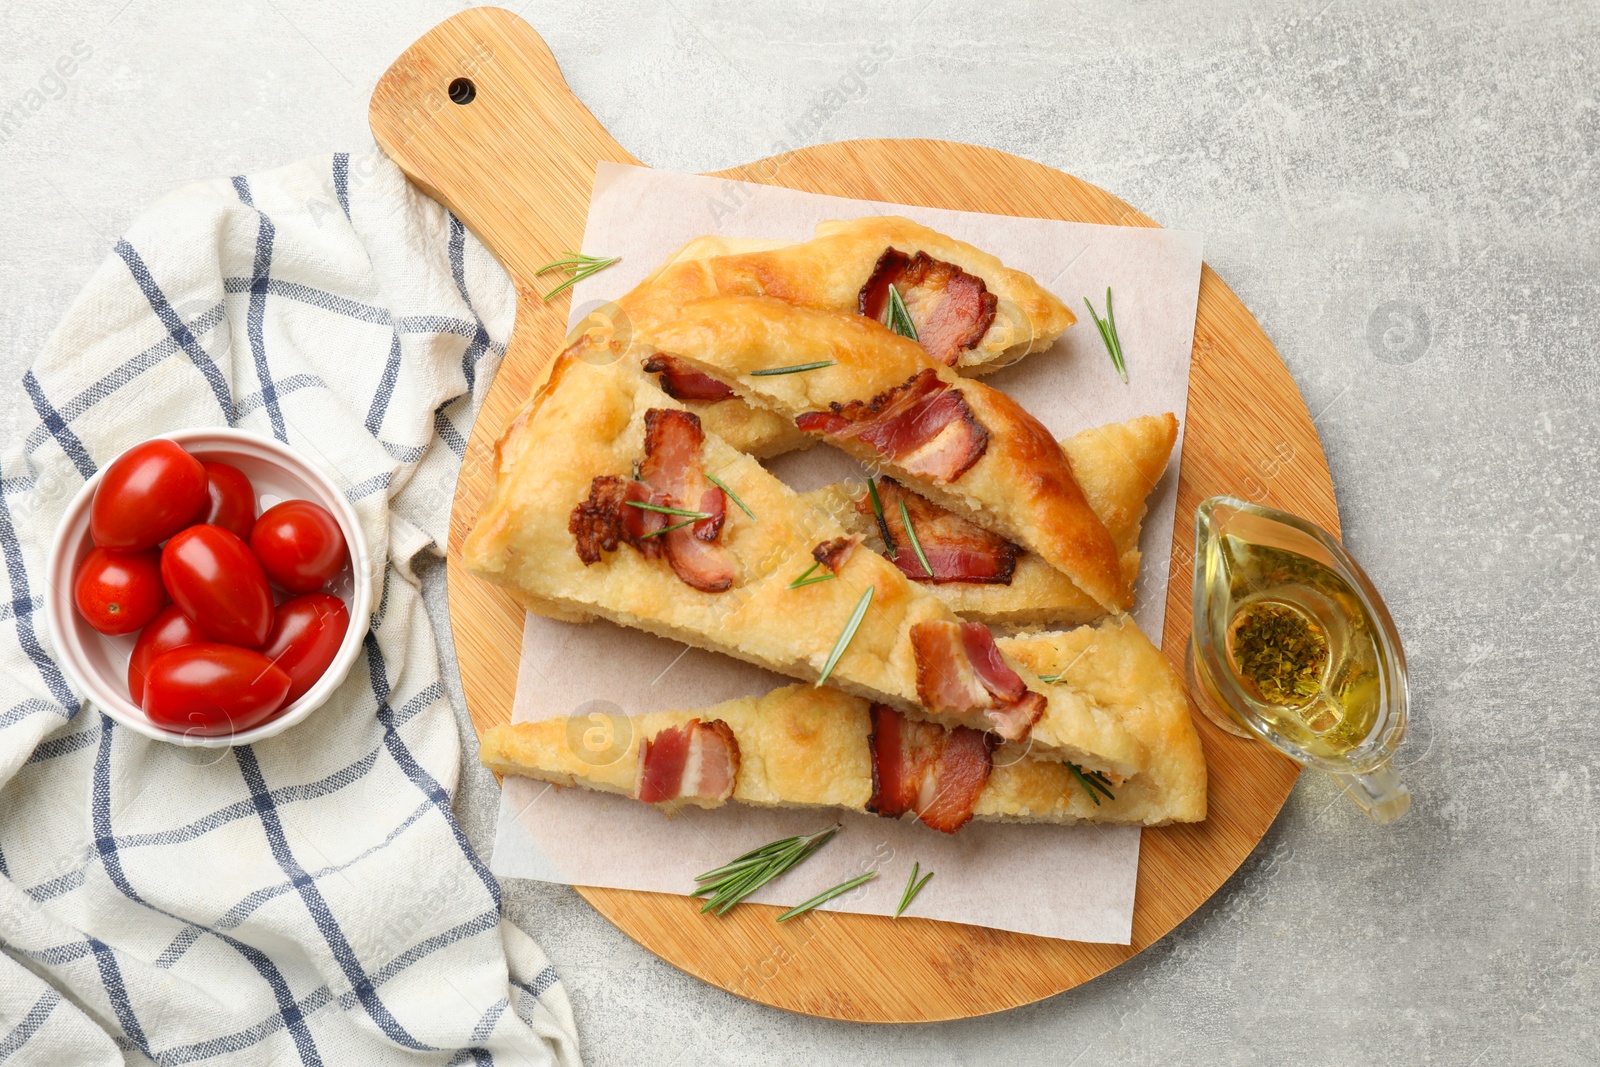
(1075,883)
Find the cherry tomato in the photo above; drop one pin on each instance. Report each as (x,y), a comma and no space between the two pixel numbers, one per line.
(231,500)
(211,689)
(299,544)
(170,629)
(217,582)
(306,634)
(149,493)
(118,592)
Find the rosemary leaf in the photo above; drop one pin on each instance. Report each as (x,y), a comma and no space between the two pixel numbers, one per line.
(731,495)
(827,895)
(1108,334)
(911,533)
(913,887)
(1094,783)
(899,318)
(796,369)
(805,578)
(849,631)
(666,510)
(733,881)
(1049,677)
(578,266)
(877,513)
(669,529)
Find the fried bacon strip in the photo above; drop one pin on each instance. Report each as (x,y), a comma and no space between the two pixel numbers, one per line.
(682,382)
(924,425)
(670,476)
(960,670)
(833,554)
(697,759)
(924,768)
(957,550)
(950,308)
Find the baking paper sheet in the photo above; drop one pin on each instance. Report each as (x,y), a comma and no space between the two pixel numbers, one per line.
(1075,883)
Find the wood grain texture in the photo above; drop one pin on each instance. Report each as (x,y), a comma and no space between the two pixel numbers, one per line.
(516,165)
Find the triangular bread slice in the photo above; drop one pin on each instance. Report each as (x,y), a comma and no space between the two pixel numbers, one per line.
(587,424)
(1117,465)
(800,746)
(832,272)
(967,447)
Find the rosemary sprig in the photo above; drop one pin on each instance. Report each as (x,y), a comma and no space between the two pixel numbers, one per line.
(669,529)
(796,369)
(578,265)
(877,513)
(731,495)
(1092,781)
(911,532)
(899,318)
(737,879)
(666,510)
(1108,334)
(827,895)
(913,887)
(849,631)
(805,578)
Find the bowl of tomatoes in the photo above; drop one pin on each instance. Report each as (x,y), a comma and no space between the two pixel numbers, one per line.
(209,587)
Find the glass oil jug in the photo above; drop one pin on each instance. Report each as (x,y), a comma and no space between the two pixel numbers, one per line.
(1293,645)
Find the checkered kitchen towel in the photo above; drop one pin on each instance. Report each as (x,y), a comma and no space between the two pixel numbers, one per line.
(309,899)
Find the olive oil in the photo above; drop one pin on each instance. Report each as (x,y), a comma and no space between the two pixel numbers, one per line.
(1293,645)
(1278,599)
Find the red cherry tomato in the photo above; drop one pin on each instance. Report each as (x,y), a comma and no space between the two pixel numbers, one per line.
(299,544)
(231,500)
(170,629)
(217,582)
(305,636)
(118,592)
(211,689)
(149,493)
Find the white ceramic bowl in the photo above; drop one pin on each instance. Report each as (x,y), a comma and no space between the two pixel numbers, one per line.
(97,665)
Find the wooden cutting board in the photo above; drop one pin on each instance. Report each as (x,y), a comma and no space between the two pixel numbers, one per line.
(516,164)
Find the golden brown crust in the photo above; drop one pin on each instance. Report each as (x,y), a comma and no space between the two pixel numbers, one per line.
(1114,666)
(801,746)
(588,421)
(1022,486)
(1117,465)
(828,272)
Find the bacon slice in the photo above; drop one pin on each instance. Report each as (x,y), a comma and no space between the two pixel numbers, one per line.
(670,476)
(682,382)
(950,308)
(924,425)
(925,768)
(833,554)
(957,550)
(698,760)
(961,671)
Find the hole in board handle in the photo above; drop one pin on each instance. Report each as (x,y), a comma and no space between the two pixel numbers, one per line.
(462,91)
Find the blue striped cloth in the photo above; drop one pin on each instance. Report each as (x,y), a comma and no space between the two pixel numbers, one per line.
(310,899)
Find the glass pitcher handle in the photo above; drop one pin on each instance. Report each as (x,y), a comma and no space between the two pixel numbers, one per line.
(1380,793)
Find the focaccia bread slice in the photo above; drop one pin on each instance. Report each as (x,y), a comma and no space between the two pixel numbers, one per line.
(801,746)
(849,380)
(555,531)
(1117,465)
(971,311)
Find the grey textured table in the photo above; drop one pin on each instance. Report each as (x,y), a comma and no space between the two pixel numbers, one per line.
(1406,198)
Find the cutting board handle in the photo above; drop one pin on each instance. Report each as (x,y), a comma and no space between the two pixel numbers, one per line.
(477,114)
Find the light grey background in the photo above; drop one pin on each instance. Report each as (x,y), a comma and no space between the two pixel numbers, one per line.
(1358,168)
